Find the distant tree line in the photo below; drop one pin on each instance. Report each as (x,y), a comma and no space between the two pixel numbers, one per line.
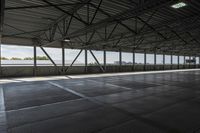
(26,58)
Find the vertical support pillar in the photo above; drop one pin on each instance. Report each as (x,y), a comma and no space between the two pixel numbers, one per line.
(195,64)
(0,61)
(184,62)
(189,62)
(145,60)
(35,60)
(155,60)
(163,61)
(199,62)
(104,60)
(2,8)
(178,62)
(63,59)
(120,59)
(86,61)
(133,60)
(63,56)
(171,61)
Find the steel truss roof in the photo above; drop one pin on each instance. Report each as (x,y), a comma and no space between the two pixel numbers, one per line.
(127,25)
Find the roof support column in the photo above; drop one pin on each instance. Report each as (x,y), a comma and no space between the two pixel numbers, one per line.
(63,58)
(120,59)
(199,62)
(171,61)
(184,61)
(155,60)
(133,60)
(178,62)
(104,60)
(35,60)
(145,60)
(0,61)
(164,61)
(86,61)
(189,62)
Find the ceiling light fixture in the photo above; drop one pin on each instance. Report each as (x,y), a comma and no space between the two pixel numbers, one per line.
(67,40)
(179,5)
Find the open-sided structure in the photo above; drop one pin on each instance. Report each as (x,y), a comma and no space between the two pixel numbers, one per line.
(67,38)
(164,27)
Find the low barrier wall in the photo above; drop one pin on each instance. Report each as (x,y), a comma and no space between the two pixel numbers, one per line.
(21,71)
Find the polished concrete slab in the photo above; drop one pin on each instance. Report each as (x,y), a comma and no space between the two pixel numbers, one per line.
(166,102)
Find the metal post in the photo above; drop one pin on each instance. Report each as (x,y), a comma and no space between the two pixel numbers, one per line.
(133,60)
(104,60)
(63,56)
(86,61)
(0,61)
(155,60)
(63,59)
(178,62)
(189,61)
(199,62)
(120,60)
(35,60)
(163,61)
(1,72)
(184,61)
(171,61)
(145,60)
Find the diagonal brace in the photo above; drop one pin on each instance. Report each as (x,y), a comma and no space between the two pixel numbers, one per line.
(74,60)
(48,56)
(97,61)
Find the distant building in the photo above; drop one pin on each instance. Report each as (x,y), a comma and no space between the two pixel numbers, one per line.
(123,63)
(191,60)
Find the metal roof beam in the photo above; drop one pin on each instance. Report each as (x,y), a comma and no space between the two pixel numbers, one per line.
(131,13)
(157,32)
(66,12)
(17,40)
(37,6)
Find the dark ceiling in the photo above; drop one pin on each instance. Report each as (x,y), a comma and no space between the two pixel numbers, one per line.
(129,25)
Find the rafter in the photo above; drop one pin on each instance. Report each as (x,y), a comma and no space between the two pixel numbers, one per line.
(66,14)
(38,6)
(149,6)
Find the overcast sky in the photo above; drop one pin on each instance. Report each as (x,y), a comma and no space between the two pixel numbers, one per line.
(10,51)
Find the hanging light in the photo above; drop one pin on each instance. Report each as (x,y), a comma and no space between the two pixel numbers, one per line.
(179,5)
(66,40)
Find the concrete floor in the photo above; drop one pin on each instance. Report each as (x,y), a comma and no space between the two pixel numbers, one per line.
(143,103)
